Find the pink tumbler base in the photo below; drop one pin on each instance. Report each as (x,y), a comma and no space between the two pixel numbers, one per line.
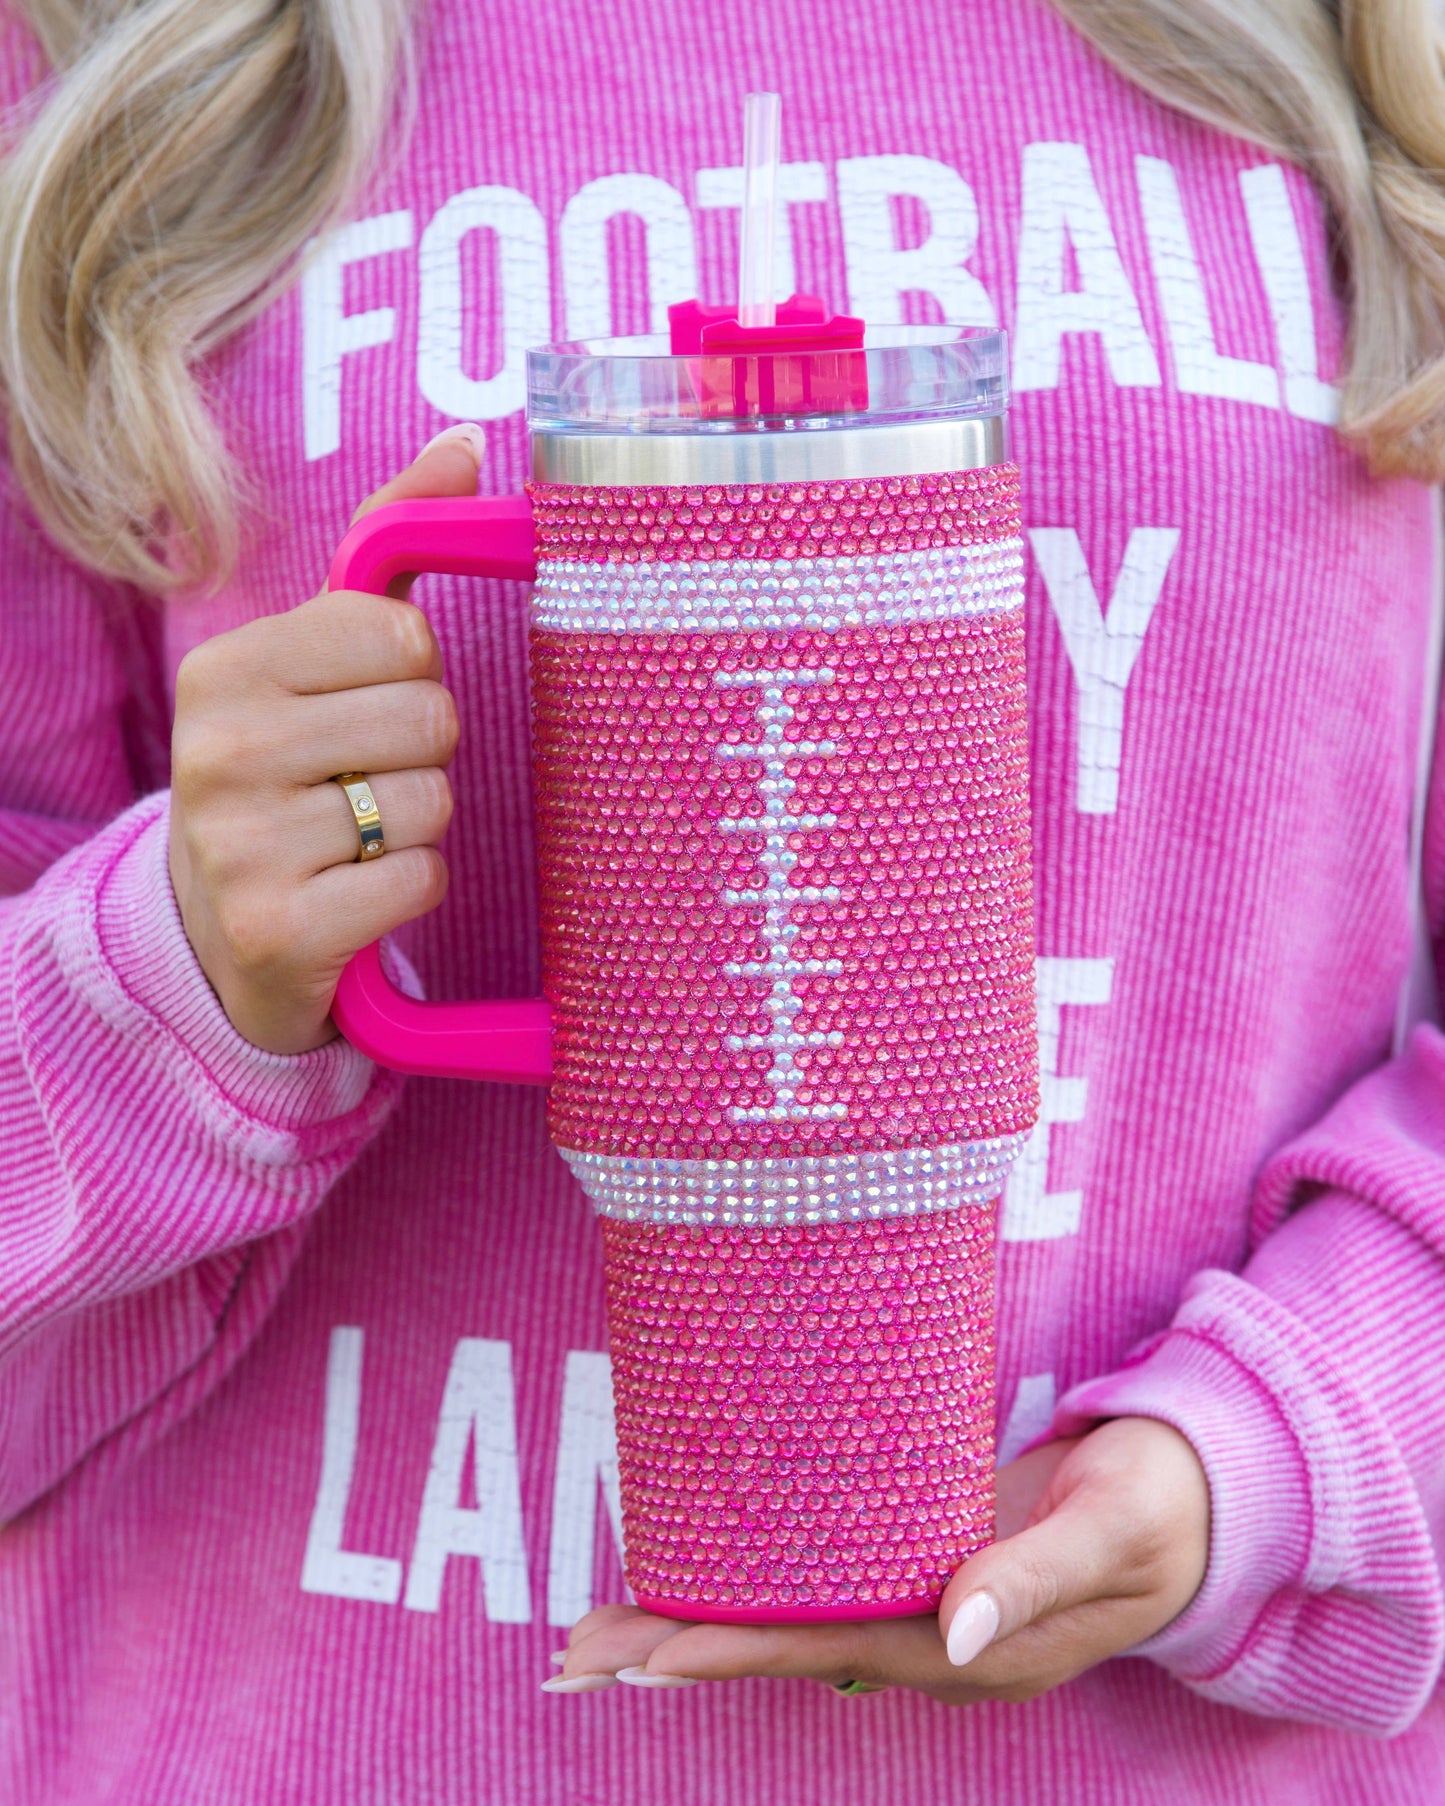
(786,1614)
(804,1412)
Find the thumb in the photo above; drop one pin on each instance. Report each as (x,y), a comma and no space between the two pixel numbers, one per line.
(1066,1559)
(446,465)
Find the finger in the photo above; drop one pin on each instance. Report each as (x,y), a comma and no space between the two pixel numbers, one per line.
(256,751)
(346,639)
(1021,1486)
(597,1617)
(341,641)
(350,906)
(446,465)
(385,727)
(1069,1558)
(415,808)
(278,932)
(1056,1649)
(616,1637)
(889,1652)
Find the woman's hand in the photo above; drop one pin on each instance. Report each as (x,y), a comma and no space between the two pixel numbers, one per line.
(1105,1538)
(263,845)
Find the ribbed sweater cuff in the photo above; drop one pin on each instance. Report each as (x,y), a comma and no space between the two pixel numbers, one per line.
(1321,1601)
(130,957)
(1259,1486)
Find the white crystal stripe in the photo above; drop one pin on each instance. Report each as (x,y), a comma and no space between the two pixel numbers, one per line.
(776,894)
(806,1189)
(778,595)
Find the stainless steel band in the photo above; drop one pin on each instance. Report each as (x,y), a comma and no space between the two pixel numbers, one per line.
(913,448)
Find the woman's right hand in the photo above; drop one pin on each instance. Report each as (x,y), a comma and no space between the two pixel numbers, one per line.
(263,845)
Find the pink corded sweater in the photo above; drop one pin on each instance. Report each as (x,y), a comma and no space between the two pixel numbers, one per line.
(305,1449)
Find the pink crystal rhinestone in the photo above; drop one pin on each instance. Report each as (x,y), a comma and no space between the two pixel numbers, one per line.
(656,981)
(804,1416)
(647,523)
(781,768)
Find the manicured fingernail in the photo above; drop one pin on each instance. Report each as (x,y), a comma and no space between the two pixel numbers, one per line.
(639,1677)
(579,1683)
(557,1657)
(974,1627)
(465,432)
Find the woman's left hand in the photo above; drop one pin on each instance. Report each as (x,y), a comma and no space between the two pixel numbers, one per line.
(1104,1539)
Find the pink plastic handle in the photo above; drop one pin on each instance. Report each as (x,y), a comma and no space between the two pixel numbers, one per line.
(508,1039)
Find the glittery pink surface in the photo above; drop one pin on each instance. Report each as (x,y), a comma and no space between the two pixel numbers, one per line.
(776,520)
(931,927)
(787,913)
(804,1415)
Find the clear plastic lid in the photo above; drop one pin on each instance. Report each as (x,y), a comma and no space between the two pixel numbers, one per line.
(635,385)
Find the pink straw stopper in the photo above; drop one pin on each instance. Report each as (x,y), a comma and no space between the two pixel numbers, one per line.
(766,357)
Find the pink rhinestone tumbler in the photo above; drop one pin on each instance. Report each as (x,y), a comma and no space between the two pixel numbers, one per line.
(781,772)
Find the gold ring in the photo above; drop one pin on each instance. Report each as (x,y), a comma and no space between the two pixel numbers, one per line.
(851,1689)
(363,806)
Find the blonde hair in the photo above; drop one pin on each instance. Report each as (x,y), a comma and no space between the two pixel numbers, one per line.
(157,199)
(1354,92)
(168,177)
